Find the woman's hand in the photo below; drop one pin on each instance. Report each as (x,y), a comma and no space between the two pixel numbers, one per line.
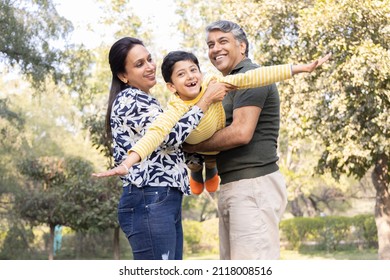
(120,170)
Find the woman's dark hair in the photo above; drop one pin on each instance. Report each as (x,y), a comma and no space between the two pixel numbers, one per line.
(170,60)
(117,60)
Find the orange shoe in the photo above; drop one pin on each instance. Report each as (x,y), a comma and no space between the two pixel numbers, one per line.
(212,183)
(196,187)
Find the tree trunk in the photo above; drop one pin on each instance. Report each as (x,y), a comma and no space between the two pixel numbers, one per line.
(51,242)
(295,208)
(116,244)
(380,179)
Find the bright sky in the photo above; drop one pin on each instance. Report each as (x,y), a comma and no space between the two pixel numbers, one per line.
(85,12)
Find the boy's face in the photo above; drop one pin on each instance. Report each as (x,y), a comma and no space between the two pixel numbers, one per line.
(186,80)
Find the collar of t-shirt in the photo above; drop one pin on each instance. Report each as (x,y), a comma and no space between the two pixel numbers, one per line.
(239,66)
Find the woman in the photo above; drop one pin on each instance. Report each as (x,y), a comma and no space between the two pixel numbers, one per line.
(149,210)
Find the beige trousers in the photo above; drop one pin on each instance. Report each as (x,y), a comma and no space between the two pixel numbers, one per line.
(250,211)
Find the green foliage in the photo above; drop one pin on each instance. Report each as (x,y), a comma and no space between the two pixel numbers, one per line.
(28,30)
(335,230)
(354,115)
(91,205)
(200,237)
(11,124)
(365,229)
(23,243)
(331,231)
(76,65)
(9,115)
(346,104)
(194,17)
(99,138)
(17,244)
(11,137)
(192,236)
(200,208)
(64,194)
(90,245)
(121,18)
(210,236)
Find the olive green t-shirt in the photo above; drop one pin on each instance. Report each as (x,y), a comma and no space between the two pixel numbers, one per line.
(259,156)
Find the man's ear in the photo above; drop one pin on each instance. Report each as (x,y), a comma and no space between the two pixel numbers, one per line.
(242,48)
(171,87)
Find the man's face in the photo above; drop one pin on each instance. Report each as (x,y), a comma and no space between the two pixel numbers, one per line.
(225,52)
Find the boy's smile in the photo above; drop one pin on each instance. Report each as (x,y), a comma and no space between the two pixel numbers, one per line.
(186,80)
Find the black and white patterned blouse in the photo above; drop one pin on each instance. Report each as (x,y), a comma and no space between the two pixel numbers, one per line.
(132,113)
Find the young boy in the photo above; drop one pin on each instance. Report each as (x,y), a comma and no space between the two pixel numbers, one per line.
(182,74)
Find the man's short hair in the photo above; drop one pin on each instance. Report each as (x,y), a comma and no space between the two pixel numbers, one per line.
(230,27)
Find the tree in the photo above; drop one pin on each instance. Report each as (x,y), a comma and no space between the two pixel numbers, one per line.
(351,110)
(28,30)
(48,132)
(103,143)
(200,208)
(11,126)
(354,121)
(60,192)
(195,15)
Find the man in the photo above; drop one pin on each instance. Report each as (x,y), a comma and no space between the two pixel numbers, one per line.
(253,193)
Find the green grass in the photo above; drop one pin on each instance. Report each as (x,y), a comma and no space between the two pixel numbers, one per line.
(336,255)
(311,254)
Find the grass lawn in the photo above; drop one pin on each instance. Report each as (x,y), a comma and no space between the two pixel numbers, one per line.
(310,254)
(323,255)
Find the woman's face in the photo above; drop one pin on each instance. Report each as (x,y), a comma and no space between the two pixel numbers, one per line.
(140,69)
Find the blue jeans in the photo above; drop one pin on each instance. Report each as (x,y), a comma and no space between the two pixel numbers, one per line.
(151,219)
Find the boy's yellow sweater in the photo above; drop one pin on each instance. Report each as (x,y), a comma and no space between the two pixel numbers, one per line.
(214,118)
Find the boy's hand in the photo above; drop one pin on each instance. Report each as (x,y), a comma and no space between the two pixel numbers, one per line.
(317,63)
(189,148)
(216,91)
(296,69)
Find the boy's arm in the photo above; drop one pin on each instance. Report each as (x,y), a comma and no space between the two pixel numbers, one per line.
(176,109)
(153,137)
(160,128)
(259,77)
(268,75)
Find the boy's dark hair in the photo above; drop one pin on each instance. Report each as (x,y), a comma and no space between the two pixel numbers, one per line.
(171,58)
